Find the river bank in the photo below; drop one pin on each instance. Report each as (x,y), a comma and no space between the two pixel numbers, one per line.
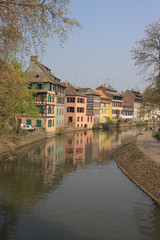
(139,159)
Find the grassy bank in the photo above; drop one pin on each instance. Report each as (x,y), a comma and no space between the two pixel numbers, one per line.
(139,168)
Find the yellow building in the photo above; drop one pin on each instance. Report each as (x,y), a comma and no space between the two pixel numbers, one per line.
(105,106)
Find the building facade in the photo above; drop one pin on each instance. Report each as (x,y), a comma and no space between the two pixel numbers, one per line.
(48,88)
(117,100)
(93,103)
(75,108)
(105,106)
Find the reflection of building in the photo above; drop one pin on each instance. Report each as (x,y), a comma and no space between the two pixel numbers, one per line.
(75,147)
(75,108)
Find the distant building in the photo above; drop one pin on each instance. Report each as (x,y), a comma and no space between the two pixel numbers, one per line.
(134,100)
(117,100)
(49,98)
(105,106)
(93,102)
(75,108)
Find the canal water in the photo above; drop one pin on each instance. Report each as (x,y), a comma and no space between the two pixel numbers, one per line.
(71,188)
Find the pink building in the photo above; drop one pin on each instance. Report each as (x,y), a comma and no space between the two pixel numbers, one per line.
(75,108)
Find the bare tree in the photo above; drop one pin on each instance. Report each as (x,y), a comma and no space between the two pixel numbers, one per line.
(147,52)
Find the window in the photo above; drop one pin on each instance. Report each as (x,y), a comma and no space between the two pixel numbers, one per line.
(49,123)
(70,120)
(50,86)
(70,109)
(52,109)
(28,121)
(39,86)
(53,99)
(91,119)
(88,119)
(80,100)
(49,98)
(49,109)
(77,119)
(71,99)
(80,109)
(81,118)
(37,76)
(38,123)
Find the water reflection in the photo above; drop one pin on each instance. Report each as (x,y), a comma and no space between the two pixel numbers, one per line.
(40,168)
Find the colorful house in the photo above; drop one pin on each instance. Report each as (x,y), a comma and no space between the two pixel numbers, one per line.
(105,106)
(75,108)
(93,103)
(117,100)
(49,98)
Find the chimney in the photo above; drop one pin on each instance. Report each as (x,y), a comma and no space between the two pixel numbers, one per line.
(34,58)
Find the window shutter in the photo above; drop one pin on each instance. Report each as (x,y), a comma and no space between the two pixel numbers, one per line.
(48,98)
(28,121)
(53,122)
(54,87)
(42,86)
(53,109)
(42,97)
(42,109)
(37,86)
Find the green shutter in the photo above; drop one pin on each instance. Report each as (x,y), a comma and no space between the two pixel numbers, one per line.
(28,121)
(42,109)
(42,97)
(37,86)
(48,98)
(42,86)
(48,123)
(54,87)
(53,109)
(38,123)
(53,122)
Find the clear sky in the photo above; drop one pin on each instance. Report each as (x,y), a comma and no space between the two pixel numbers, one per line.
(99,52)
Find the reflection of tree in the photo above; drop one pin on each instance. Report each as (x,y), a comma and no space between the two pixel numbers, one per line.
(39,168)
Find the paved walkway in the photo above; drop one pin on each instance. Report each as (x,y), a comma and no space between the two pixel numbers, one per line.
(149,145)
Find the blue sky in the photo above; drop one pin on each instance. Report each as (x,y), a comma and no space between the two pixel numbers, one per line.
(99,52)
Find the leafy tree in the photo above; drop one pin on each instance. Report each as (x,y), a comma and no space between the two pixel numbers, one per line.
(15,96)
(28,23)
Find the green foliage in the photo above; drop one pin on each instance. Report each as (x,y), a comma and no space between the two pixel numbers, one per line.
(27,24)
(108,124)
(140,123)
(60,132)
(15,97)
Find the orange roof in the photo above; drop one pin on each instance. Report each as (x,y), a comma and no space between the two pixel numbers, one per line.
(102,94)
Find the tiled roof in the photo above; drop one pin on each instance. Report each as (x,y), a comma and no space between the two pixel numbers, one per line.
(72,91)
(102,94)
(88,91)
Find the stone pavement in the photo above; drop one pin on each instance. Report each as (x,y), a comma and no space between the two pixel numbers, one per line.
(149,145)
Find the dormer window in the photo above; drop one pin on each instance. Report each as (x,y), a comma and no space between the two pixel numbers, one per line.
(37,75)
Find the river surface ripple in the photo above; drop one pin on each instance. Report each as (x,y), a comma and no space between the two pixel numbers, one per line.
(71,188)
